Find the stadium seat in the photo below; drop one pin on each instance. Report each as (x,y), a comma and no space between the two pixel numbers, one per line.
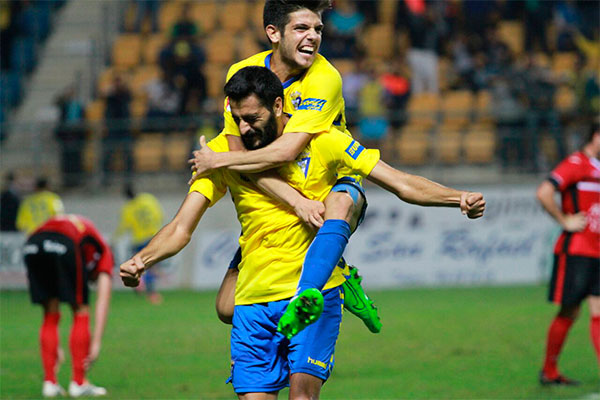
(90,155)
(256,17)
(106,77)
(178,151)
(23,54)
(140,78)
(386,11)
(511,33)
(220,47)
(483,102)
(205,14)
(379,41)
(564,99)
(423,109)
(447,145)
(247,46)
(479,144)
(457,106)
(152,47)
(445,73)
(215,80)
(138,108)
(168,14)
(564,62)
(127,50)
(343,65)
(148,152)
(94,112)
(412,147)
(234,16)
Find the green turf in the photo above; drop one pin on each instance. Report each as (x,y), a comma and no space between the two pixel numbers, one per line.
(476,343)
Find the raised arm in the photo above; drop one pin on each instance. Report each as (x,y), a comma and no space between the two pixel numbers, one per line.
(421,191)
(569,222)
(168,241)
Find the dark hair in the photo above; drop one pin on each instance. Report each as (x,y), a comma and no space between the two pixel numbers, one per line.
(41,183)
(259,81)
(128,191)
(594,128)
(277,12)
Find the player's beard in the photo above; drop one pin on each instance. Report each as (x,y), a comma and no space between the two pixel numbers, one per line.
(258,138)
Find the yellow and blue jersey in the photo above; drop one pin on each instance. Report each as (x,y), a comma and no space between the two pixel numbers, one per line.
(36,209)
(313,99)
(274,241)
(141,216)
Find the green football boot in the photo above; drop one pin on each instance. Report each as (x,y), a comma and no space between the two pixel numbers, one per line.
(358,303)
(301,312)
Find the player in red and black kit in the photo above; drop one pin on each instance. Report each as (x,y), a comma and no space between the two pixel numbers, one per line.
(62,256)
(576,274)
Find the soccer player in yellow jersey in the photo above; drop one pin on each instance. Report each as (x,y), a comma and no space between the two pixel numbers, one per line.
(313,98)
(274,241)
(38,207)
(142,218)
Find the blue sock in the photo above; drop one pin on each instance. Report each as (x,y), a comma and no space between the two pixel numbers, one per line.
(323,254)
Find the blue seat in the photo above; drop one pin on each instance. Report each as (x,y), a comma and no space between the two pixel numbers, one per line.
(10,89)
(23,57)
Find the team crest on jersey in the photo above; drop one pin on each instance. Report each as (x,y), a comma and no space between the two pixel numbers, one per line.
(303,161)
(593,218)
(312,104)
(354,149)
(296,99)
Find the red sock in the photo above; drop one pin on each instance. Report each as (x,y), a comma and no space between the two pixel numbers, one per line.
(49,345)
(79,344)
(595,333)
(556,338)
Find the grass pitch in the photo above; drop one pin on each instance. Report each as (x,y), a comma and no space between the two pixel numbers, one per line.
(467,343)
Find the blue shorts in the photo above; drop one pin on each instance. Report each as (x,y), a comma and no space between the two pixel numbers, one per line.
(263,359)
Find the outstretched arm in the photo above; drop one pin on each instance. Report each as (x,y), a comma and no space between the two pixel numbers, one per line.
(101,314)
(569,222)
(168,241)
(421,191)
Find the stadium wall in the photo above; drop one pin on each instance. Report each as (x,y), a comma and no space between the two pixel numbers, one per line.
(398,245)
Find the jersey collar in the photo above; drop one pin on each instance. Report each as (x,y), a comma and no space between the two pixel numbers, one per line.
(287,83)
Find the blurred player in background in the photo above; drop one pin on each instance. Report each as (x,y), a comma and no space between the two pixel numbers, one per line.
(142,218)
(313,97)
(61,257)
(576,272)
(274,241)
(38,207)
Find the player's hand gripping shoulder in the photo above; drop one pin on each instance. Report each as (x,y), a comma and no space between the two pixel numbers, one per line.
(131,271)
(472,204)
(203,162)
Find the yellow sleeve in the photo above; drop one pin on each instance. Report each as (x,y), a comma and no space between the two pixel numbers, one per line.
(57,205)
(230,127)
(212,187)
(321,104)
(23,217)
(339,150)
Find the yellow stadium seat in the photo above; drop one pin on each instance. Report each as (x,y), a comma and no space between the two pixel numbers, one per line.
(94,112)
(479,144)
(343,65)
(170,12)
(234,16)
(127,50)
(105,79)
(141,77)
(256,16)
(204,13)
(412,147)
(379,41)
(447,144)
(215,75)
(423,108)
(152,47)
(386,11)
(457,106)
(511,33)
(178,151)
(564,99)
(220,47)
(148,152)
(138,108)
(90,156)
(247,46)
(564,62)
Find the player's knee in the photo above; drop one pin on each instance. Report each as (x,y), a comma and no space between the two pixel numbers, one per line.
(571,312)
(340,205)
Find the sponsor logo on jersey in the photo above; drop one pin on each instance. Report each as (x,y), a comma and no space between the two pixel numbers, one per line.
(354,149)
(312,104)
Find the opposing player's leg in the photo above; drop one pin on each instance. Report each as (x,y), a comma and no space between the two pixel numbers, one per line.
(594,302)
(50,348)
(225,301)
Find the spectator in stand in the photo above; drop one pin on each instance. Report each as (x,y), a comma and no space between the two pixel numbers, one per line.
(343,25)
(182,62)
(537,14)
(118,132)
(463,61)
(426,27)
(164,103)
(567,20)
(396,85)
(70,132)
(354,80)
(185,28)
(368,8)
(146,8)
(587,90)
(373,124)
(10,200)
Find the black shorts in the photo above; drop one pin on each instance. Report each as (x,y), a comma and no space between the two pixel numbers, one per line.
(55,269)
(573,279)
